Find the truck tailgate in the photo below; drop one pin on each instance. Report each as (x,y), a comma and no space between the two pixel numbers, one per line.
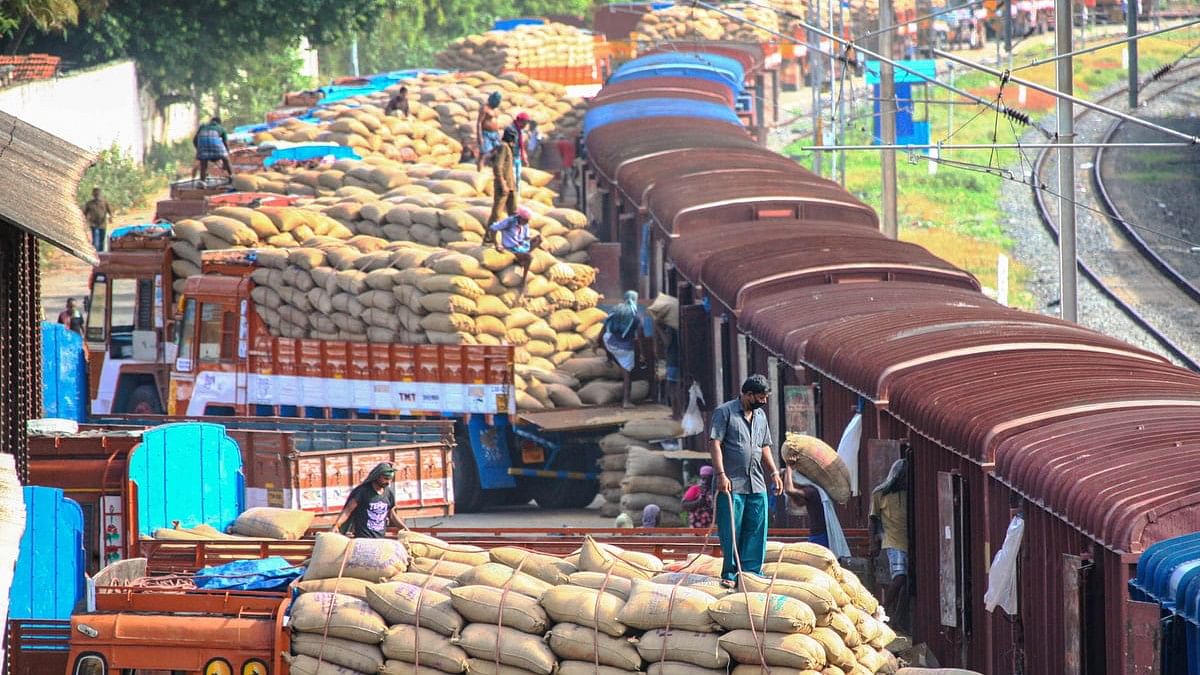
(592,418)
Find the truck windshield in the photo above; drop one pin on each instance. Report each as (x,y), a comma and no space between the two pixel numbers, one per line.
(123,315)
(97,308)
(186,334)
(216,333)
(89,665)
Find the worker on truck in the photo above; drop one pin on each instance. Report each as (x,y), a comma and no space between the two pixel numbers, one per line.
(371,506)
(212,145)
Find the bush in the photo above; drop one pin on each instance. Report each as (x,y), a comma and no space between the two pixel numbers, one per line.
(165,159)
(123,183)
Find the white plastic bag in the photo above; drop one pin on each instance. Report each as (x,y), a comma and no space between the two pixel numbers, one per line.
(1002,578)
(693,421)
(847,449)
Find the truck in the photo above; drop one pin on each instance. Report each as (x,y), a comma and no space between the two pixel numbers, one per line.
(160,351)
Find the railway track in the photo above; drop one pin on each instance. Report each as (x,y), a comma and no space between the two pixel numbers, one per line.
(1141,274)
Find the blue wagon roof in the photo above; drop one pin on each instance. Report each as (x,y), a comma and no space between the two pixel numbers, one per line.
(1169,573)
(701,65)
(622,111)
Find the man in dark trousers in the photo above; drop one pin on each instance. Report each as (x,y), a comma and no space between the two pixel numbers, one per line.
(371,506)
(99,215)
(398,102)
(212,145)
(741,450)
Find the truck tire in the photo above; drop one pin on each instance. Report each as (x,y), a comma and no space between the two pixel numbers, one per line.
(468,496)
(556,493)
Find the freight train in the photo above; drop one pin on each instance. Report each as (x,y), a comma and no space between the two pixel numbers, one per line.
(1087,443)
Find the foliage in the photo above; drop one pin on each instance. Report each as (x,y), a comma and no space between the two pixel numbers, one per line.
(121,181)
(166,159)
(260,85)
(410,36)
(45,15)
(188,49)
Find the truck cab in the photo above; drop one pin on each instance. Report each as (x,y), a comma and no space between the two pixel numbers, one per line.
(130,322)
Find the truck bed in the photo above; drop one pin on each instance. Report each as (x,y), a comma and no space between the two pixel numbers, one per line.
(592,418)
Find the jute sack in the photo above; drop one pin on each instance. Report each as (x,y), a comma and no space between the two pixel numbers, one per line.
(467,555)
(367,559)
(652,430)
(809,575)
(611,583)
(593,558)
(355,588)
(775,670)
(774,613)
(836,651)
(517,649)
(339,616)
(701,582)
(307,665)
(845,629)
(645,462)
(579,643)
(814,458)
(681,668)
(442,568)
(547,568)
(806,553)
(859,595)
(272,523)
(588,668)
(353,655)
(870,658)
(482,604)
(489,667)
(795,650)
(615,444)
(398,602)
(407,643)
(431,582)
(699,564)
(691,647)
(886,636)
(394,667)
(660,485)
(613,463)
(657,606)
(585,607)
(818,599)
(497,576)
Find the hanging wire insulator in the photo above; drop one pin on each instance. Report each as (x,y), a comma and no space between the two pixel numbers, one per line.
(1017,116)
(1161,71)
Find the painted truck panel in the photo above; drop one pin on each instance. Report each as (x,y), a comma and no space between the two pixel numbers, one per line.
(64,373)
(50,567)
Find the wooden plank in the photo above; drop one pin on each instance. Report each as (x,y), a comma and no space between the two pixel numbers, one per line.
(1072,572)
(947,570)
(1143,638)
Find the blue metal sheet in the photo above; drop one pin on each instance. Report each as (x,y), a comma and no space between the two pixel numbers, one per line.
(64,373)
(189,472)
(48,581)
(720,63)
(1165,568)
(656,107)
(489,445)
(697,71)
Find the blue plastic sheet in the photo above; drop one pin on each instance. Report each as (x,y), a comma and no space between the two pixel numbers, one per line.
(266,574)
(704,66)
(622,111)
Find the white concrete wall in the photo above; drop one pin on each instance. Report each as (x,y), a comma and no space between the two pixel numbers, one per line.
(92,108)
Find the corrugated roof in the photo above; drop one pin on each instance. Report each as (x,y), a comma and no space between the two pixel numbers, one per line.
(677,205)
(689,64)
(39,173)
(1126,478)
(611,145)
(643,108)
(761,262)
(754,237)
(664,86)
(971,406)
(636,177)
(782,321)
(1168,573)
(866,353)
(750,55)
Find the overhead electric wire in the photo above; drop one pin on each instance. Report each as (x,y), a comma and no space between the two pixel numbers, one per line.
(1106,45)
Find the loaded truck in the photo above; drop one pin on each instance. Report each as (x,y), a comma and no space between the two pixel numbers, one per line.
(198,349)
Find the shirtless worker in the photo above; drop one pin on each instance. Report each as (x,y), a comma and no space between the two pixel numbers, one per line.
(487,129)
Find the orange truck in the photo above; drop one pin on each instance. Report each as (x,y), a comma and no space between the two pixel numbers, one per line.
(199,350)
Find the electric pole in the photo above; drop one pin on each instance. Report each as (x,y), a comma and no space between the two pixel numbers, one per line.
(1066,159)
(1131,28)
(887,119)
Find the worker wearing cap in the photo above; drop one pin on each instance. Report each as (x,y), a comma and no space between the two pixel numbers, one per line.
(741,450)
(370,506)
(514,238)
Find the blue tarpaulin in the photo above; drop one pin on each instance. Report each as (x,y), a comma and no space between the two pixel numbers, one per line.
(714,67)
(266,574)
(656,107)
(302,152)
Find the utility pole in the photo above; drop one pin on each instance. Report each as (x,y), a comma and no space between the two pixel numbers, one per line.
(1008,29)
(354,56)
(1066,161)
(887,119)
(1131,28)
(841,107)
(815,65)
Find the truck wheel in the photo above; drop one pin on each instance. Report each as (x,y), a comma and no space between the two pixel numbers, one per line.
(555,493)
(143,400)
(468,496)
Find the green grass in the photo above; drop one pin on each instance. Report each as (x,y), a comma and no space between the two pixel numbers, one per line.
(955,213)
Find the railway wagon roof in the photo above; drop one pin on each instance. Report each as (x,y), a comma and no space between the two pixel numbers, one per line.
(649,107)
(665,84)
(619,142)
(636,178)
(750,55)
(783,320)
(868,352)
(972,406)
(1126,478)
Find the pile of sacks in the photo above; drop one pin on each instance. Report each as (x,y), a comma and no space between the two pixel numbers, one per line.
(366,607)
(364,127)
(376,177)
(690,23)
(550,45)
(634,472)
(260,522)
(457,98)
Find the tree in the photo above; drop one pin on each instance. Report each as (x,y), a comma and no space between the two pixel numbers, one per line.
(17,17)
(260,85)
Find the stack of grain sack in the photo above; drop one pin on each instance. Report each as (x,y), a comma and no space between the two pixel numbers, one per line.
(550,45)
(634,472)
(365,607)
(457,98)
(362,125)
(690,23)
